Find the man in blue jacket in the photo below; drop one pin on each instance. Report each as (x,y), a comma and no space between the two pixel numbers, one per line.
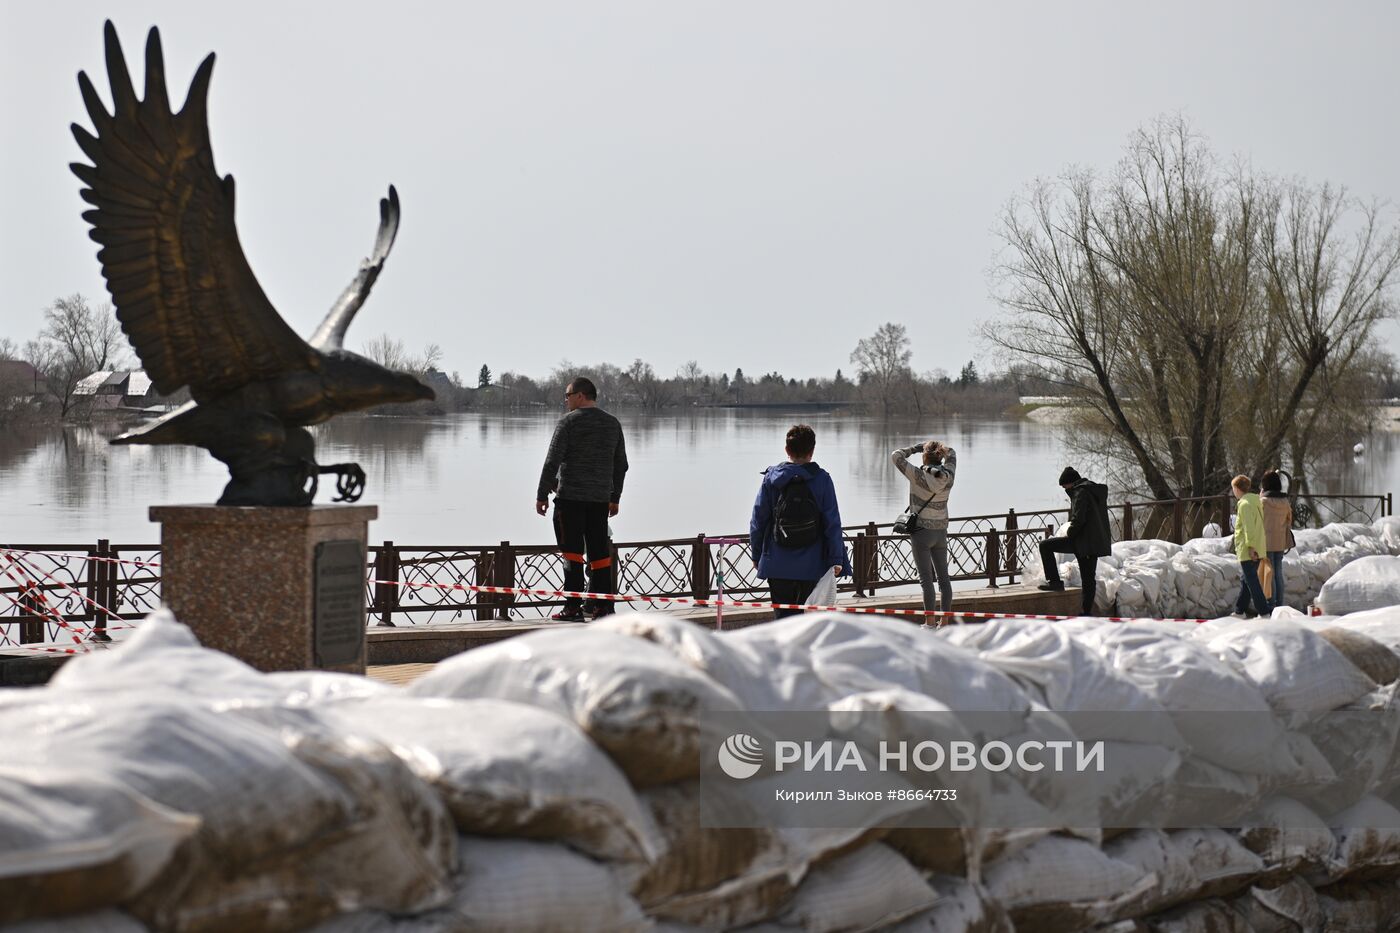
(795,530)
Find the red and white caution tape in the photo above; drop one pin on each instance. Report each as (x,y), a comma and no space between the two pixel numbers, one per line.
(45,609)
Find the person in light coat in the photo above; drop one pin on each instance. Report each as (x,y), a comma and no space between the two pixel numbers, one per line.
(1278,528)
(930,482)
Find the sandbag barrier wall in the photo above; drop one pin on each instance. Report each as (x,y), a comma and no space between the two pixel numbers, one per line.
(552,783)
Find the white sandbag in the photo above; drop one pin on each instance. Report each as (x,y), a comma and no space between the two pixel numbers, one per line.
(1359,907)
(254,795)
(1288,836)
(1141,547)
(1016,820)
(1202,793)
(729,661)
(395,851)
(1381,624)
(279,799)
(868,889)
(1186,678)
(897,716)
(73,841)
(1210,544)
(163,654)
(715,878)
(317,688)
(1360,742)
(818,658)
(1388,530)
(1294,668)
(1210,530)
(1067,677)
(537,887)
(1133,787)
(1368,841)
(1287,907)
(885,718)
(1065,883)
(962,907)
(1365,583)
(1151,853)
(1220,863)
(639,702)
(510,769)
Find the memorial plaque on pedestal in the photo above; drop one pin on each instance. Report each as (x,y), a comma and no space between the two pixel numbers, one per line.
(338,616)
(282,589)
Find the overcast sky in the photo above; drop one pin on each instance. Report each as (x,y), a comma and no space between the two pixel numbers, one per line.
(753,184)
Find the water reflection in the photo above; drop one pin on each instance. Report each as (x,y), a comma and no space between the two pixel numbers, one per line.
(471,478)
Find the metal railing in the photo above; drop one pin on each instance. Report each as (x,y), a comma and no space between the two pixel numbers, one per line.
(94,588)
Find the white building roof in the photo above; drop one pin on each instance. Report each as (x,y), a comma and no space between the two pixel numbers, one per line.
(140,383)
(89,385)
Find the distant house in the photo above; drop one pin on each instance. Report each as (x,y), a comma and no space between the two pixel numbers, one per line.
(104,389)
(439,382)
(141,392)
(18,378)
(121,388)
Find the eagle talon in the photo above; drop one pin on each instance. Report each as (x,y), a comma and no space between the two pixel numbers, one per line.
(349,483)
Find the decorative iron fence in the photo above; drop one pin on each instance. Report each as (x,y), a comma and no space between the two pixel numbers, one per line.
(51,592)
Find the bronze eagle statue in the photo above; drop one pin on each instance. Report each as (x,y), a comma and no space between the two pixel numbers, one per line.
(192,308)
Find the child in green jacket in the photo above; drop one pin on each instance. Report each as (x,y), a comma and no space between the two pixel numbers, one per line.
(1250,546)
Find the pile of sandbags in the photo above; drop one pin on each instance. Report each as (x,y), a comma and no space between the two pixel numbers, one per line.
(553,781)
(1201,578)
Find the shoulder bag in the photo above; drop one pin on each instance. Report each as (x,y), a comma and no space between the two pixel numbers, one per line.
(907,523)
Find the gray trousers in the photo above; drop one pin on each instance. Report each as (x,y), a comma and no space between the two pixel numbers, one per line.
(931,560)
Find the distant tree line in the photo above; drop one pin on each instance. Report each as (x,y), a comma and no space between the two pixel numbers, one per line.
(882,381)
(78,339)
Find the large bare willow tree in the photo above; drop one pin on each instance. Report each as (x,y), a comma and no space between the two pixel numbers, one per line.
(1207,318)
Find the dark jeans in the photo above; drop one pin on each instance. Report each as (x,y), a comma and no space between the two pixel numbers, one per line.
(1088,569)
(581,527)
(1276,558)
(790,591)
(1251,590)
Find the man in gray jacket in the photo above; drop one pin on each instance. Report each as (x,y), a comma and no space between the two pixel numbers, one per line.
(930,482)
(585,467)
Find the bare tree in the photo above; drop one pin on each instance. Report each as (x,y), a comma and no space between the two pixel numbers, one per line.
(653,393)
(882,360)
(390,352)
(76,341)
(690,378)
(1189,308)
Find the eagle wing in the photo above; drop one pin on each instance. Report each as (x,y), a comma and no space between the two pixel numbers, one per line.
(185,296)
(331,334)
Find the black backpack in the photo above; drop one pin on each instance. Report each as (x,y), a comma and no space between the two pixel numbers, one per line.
(797,520)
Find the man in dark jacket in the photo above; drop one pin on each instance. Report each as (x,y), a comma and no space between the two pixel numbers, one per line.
(585,467)
(795,529)
(1088,537)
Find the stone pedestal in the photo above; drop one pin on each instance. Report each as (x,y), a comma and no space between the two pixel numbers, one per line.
(282,589)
